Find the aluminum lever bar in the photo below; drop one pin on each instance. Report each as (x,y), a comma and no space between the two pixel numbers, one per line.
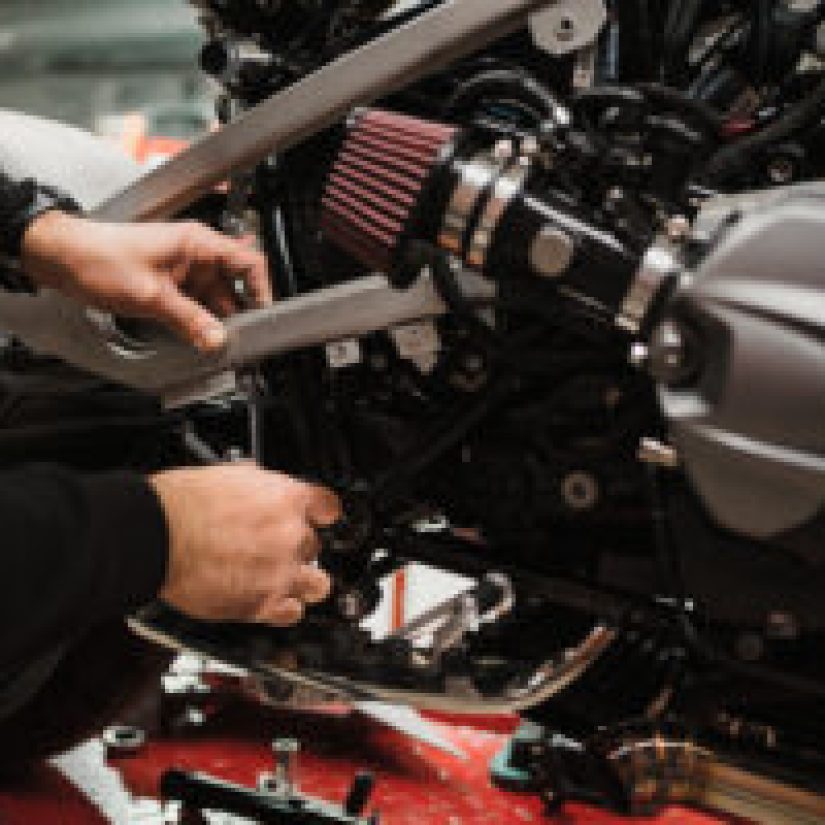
(160,364)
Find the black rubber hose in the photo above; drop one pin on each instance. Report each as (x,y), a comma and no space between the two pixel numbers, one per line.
(700,113)
(513,84)
(738,155)
(761,39)
(680,27)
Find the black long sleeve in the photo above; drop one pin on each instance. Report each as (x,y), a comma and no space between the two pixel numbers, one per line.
(20,202)
(76,550)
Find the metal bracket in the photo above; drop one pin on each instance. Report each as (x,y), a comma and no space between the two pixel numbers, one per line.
(568,26)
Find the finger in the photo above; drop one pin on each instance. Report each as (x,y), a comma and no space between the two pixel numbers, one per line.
(189,319)
(255,275)
(222,303)
(228,258)
(323,507)
(211,289)
(311,585)
(281,612)
(309,545)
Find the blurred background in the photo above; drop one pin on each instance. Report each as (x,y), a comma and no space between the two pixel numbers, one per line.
(126,69)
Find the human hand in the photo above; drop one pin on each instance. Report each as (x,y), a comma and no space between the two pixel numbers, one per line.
(242,541)
(179,274)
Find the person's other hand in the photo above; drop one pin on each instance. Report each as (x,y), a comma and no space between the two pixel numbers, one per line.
(179,274)
(242,542)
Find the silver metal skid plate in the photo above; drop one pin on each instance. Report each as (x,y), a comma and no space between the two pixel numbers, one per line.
(57,326)
(179,373)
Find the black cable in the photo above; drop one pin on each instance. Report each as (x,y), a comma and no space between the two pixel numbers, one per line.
(761,40)
(700,113)
(438,440)
(680,28)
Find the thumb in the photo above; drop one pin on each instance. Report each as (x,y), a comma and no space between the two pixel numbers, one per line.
(190,320)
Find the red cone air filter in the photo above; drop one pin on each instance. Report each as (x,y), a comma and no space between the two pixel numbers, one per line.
(376,183)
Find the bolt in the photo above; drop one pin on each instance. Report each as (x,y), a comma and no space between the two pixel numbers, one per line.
(285,752)
(551,252)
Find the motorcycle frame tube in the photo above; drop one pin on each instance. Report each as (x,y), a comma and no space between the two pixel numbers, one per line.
(419,47)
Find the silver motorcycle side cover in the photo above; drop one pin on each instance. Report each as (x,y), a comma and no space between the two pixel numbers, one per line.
(751,430)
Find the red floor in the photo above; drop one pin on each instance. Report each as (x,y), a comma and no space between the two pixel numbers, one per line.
(415,785)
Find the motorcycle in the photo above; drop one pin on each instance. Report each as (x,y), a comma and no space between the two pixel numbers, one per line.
(548,278)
